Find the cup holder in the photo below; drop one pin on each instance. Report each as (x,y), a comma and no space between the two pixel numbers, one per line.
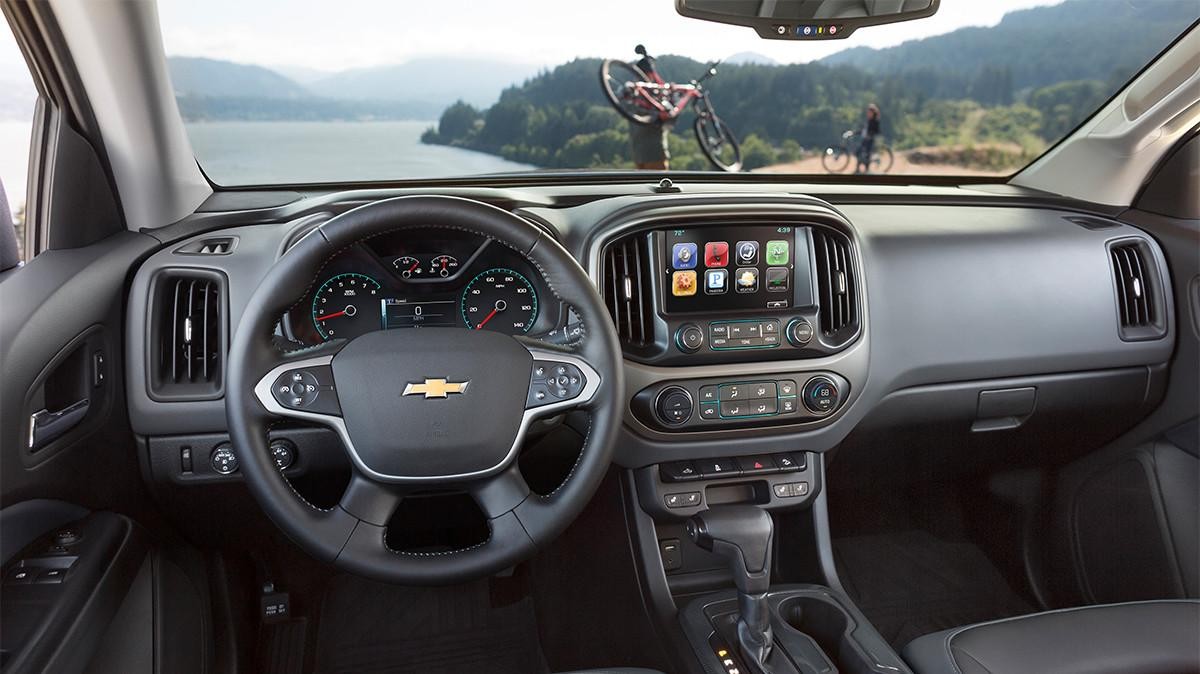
(830,626)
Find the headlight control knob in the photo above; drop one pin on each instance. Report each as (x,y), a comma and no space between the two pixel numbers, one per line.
(223,460)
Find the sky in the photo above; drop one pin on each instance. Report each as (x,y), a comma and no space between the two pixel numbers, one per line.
(331,36)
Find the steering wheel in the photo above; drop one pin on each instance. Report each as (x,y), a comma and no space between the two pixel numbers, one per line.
(423,409)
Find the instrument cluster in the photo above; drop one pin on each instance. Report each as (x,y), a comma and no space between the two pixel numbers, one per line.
(417,278)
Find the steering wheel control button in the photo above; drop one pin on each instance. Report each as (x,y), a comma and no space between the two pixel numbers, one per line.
(674,406)
(223,460)
(283,452)
(689,338)
(309,389)
(678,471)
(688,499)
(799,332)
(821,395)
(553,381)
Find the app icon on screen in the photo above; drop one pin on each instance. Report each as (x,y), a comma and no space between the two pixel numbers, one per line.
(777,253)
(684,256)
(747,280)
(683,283)
(716,281)
(777,279)
(747,252)
(716,254)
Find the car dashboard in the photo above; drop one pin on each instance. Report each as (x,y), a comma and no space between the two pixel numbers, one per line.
(762,332)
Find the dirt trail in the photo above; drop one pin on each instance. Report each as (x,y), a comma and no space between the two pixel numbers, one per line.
(902,166)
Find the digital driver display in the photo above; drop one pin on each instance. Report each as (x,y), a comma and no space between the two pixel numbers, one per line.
(402,313)
(733,268)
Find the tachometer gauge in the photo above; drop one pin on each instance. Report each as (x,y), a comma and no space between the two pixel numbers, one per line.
(346,306)
(408,266)
(443,265)
(502,300)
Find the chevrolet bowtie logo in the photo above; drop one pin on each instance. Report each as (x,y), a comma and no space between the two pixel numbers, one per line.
(436,388)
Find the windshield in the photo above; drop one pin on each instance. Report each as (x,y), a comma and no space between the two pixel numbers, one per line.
(283,91)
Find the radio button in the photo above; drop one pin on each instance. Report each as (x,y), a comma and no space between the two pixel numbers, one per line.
(718,330)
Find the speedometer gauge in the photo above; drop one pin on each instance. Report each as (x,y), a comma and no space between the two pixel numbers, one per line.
(500,299)
(346,306)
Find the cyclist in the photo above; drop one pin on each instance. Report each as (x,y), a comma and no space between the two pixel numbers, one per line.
(649,141)
(869,131)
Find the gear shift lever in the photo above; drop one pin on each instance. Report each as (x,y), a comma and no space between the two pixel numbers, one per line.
(743,536)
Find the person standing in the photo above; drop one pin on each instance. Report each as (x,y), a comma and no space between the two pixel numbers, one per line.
(649,141)
(869,131)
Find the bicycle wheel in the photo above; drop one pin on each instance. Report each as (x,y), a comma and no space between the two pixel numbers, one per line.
(617,79)
(881,159)
(718,143)
(835,159)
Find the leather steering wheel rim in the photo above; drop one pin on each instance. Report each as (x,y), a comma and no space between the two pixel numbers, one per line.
(352,534)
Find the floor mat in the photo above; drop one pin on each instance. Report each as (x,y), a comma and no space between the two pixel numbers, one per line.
(913,583)
(374,628)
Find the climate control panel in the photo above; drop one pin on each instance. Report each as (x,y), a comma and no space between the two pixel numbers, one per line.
(702,404)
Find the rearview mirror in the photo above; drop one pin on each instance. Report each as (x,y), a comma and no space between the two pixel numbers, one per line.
(806,19)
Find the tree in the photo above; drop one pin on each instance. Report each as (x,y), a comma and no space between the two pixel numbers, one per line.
(458,122)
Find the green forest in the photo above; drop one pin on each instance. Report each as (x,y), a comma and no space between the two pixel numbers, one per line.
(967,97)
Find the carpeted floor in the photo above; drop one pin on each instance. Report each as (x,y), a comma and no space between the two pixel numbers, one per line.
(368,627)
(912,583)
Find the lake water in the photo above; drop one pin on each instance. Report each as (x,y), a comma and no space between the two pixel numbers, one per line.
(244,153)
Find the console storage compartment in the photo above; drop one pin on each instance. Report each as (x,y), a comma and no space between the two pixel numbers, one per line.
(816,631)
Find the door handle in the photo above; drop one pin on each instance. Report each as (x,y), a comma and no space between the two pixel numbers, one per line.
(45,426)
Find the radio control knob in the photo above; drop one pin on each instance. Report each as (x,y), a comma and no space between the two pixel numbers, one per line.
(799,332)
(689,338)
(821,395)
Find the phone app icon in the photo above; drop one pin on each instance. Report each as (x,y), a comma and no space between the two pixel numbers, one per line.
(777,253)
(777,279)
(683,256)
(747,280)
(716,254)
(683,283)
(747,252)
(716,281)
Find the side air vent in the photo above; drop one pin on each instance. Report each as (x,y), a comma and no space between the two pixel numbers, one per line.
(836,286)
(216,245)
(1139,295)
(626,289)
(187,335)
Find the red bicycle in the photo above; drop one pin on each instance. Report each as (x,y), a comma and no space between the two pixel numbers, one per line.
(643,97)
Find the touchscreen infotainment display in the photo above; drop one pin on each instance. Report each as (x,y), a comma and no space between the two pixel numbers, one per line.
(730,268)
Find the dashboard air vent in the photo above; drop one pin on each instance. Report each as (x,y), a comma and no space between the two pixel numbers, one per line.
(1139,298)
(626,289)
(217,245)
(836,285)
(187,340)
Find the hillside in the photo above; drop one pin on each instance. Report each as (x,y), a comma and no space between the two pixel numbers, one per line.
(1059,43)
(478,82)
(210,77)
(997,95)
